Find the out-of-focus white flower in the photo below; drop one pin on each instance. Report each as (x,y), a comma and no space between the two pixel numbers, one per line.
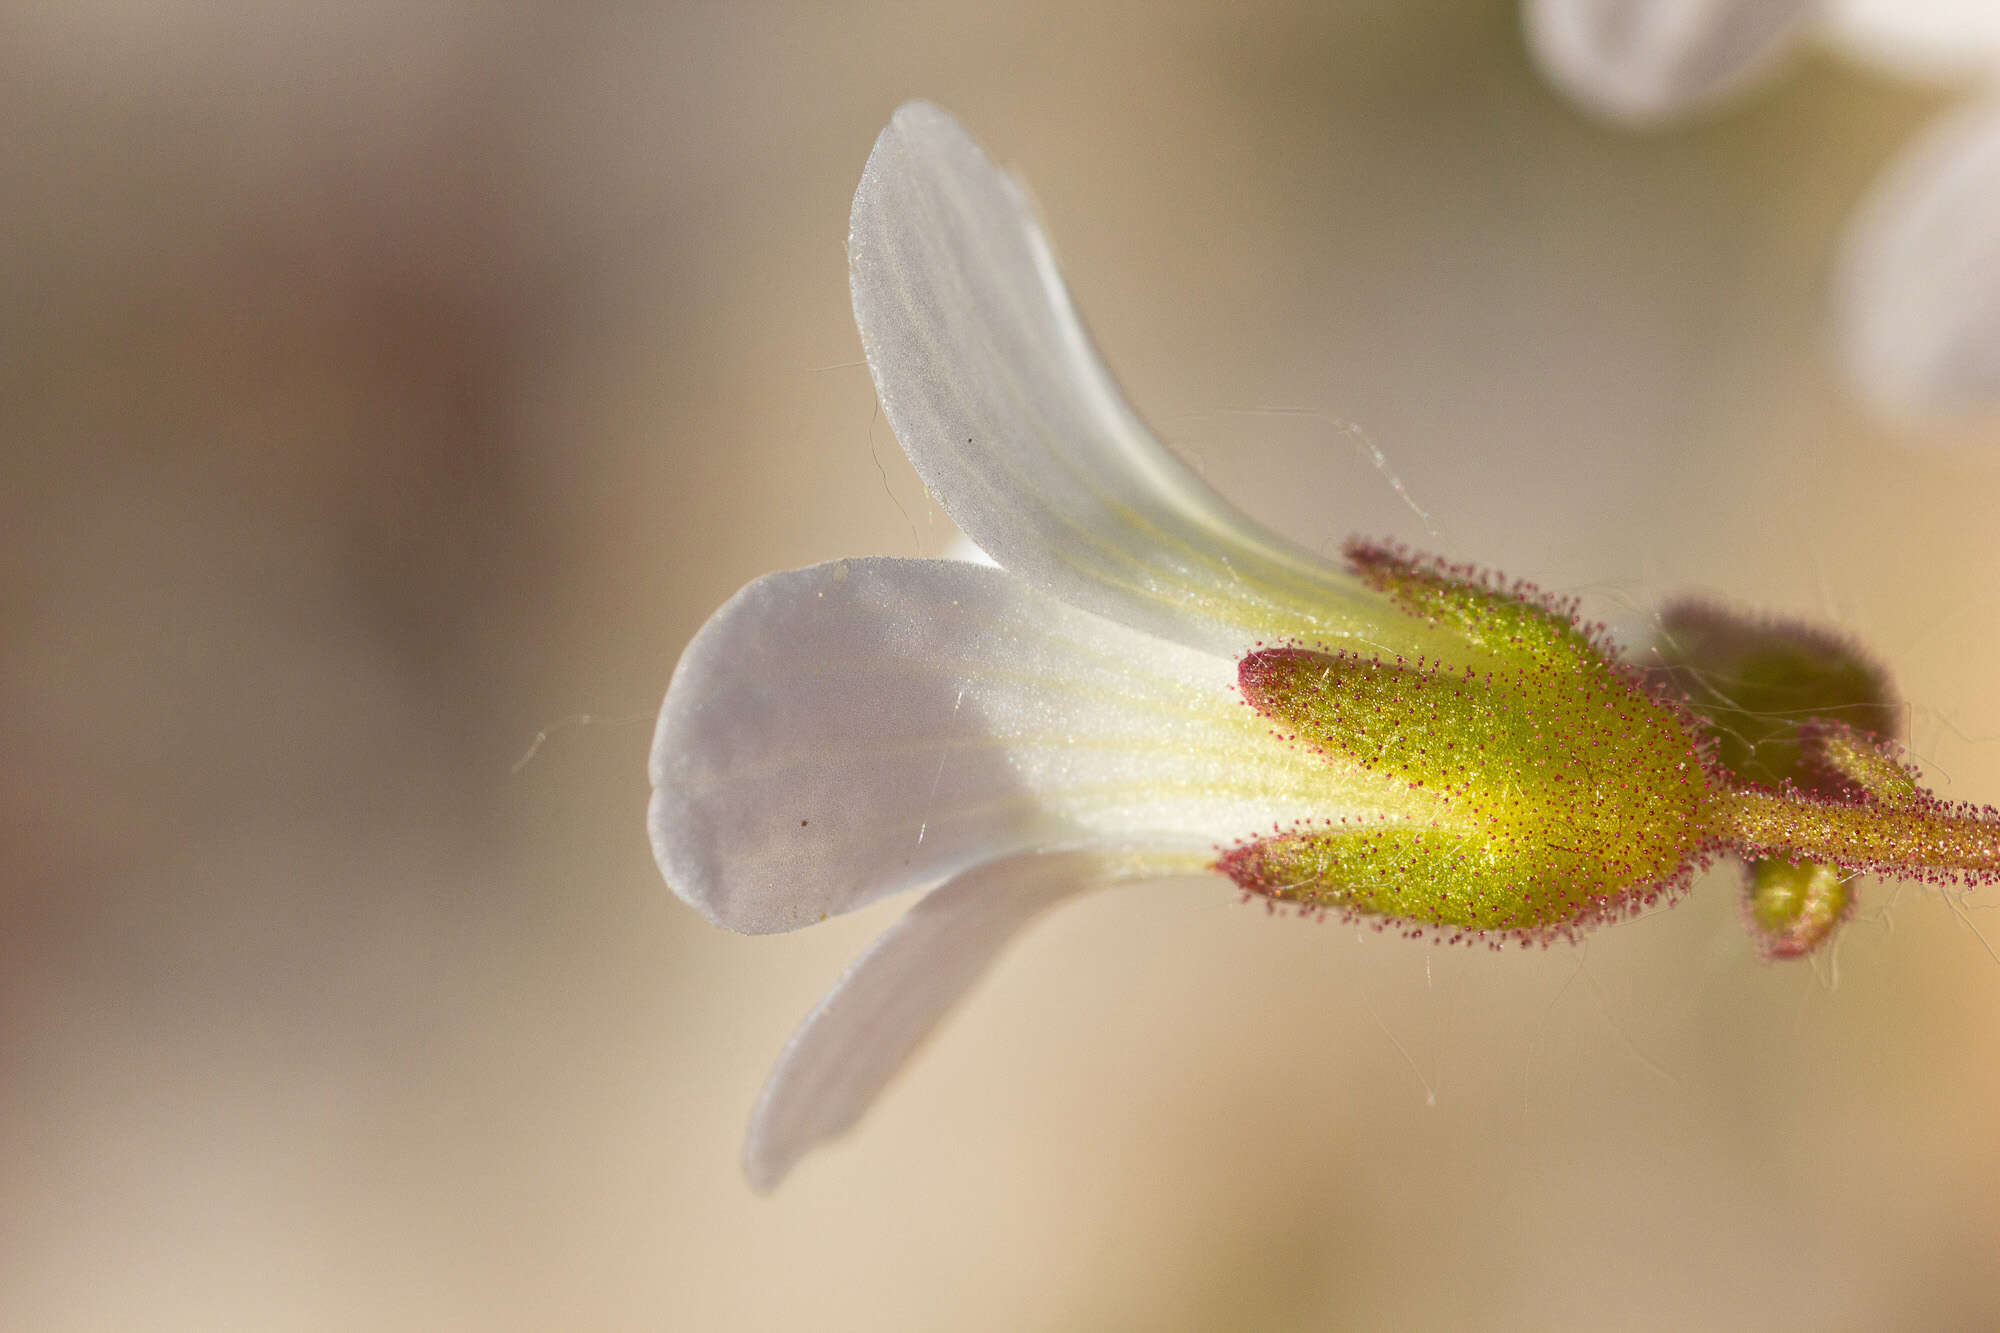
(1917,300)
(1651,62)
(1918,287)
(1922,38)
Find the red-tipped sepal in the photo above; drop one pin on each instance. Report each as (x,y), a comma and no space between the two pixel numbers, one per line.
(1838,760)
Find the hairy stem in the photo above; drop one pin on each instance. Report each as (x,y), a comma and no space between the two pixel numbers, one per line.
(1931,840)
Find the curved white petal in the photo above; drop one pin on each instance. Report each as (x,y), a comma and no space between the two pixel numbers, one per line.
(1642,62)
(889,1000)
(1919,279)
(839,733)
(1924,38)
(999,399)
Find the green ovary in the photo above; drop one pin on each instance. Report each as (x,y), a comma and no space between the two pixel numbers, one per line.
(1564,796)
(1557,791)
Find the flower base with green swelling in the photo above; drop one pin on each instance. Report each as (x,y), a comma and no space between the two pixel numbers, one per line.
(1566,792)
(1563,788)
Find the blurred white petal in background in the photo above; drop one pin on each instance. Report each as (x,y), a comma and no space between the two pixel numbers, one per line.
(1648,62)
(1918,291)
(1921,38)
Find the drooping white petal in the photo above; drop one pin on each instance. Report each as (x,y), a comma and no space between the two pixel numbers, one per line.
(1924,38)
(999,399)
(868,1025)
(839,733)
(1919,280)
(1643,62)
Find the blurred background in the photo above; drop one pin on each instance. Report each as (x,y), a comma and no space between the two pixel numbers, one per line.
(390,392)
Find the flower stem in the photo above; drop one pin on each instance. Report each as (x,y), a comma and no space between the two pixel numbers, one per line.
(1928,840)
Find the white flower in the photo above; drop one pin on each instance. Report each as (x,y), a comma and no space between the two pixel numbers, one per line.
(1457,753)
(1000,739)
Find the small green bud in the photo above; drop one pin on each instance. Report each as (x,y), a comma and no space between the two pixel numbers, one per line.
(1793,908)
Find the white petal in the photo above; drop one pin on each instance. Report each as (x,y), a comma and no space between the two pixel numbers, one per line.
(868,1025)
(1919,279)
(1642,62)
(997,396)
(1924,38)
(964,548)
(839,733)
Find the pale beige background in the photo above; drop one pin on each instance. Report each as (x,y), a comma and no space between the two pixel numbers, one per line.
(385,385)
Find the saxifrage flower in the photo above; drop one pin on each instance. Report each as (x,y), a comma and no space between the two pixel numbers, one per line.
(1153,685)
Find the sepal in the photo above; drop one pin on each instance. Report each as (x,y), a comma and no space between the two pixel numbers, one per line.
(1836,759)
